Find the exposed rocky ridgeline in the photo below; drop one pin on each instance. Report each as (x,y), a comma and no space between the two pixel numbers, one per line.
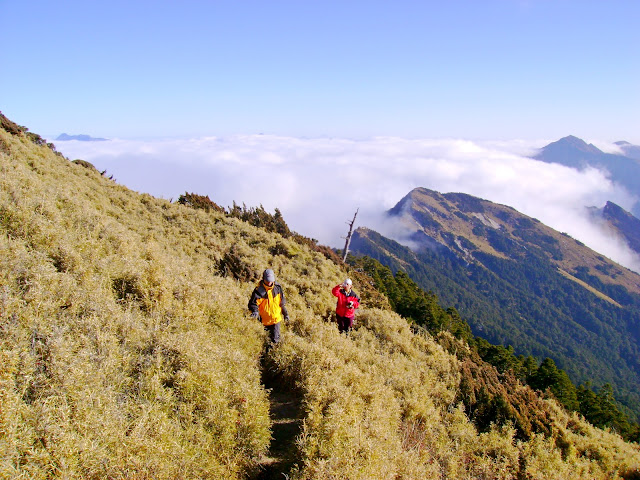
(470,227)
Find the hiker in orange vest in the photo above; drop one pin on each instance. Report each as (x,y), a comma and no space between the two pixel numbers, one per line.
(348,301)
(267,303)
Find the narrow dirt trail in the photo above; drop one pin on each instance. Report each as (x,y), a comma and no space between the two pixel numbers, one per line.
(286,416)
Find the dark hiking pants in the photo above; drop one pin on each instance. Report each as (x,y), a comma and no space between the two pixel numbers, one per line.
(344,323)
(274,332)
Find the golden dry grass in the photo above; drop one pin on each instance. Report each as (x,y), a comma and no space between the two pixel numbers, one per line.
(126,353)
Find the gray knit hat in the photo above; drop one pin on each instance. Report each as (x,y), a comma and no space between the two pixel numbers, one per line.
(269,276)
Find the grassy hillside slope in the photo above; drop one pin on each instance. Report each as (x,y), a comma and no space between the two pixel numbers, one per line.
(126,353)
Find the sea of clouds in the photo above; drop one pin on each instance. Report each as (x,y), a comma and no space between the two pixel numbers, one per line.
(318,183)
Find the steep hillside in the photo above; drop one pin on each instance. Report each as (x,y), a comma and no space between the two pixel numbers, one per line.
(126,352)
(521,283)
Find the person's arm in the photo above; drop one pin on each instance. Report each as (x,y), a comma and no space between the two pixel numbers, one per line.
(335,291)
(283,304)
(355,301)
(253,304)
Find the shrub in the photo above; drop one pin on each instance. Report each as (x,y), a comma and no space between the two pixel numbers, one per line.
(199,201)
(85,164)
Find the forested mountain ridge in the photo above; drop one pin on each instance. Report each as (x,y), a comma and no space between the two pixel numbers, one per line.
(519,283)
(126,352)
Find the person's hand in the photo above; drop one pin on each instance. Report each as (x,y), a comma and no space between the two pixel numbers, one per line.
(286,320)
(350,304)
(254,315)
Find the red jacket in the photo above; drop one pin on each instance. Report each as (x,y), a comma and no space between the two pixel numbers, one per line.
(342,308)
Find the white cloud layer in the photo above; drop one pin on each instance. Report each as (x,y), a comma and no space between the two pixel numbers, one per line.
(319,183)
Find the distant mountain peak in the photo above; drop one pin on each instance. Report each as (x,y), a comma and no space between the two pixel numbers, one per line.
(576,143)
(570,151)
(627,226)
(410,199)
(629,150)
(612,207)
(81,138)
(622,168)
(573,139)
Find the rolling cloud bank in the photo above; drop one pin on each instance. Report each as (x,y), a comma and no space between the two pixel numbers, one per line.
(319,183)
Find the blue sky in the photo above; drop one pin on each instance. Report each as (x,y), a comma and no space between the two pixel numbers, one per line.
(353,103)
(491,69)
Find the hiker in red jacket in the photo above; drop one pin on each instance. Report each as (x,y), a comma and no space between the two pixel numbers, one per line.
(348,301)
